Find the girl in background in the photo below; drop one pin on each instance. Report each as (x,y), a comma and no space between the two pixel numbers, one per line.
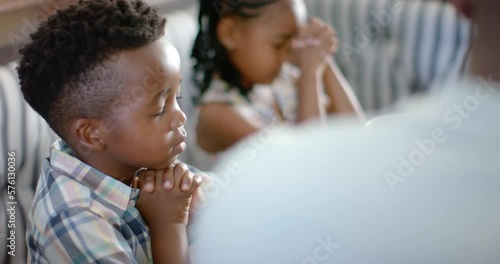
(259,63)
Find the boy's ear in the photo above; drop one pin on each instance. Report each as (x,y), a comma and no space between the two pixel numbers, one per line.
(227,32)
(87,133)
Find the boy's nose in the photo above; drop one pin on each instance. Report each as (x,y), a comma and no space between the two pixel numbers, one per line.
(178,120)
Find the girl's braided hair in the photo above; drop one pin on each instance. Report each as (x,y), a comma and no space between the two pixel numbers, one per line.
(211,57)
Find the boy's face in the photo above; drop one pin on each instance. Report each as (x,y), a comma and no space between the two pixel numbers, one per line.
(145,126)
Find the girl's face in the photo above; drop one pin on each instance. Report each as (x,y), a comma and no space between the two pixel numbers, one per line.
(262,44)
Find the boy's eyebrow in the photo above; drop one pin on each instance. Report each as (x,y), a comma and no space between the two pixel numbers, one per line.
(163,92)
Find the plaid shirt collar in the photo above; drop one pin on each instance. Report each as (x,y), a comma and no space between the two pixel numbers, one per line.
(106,187)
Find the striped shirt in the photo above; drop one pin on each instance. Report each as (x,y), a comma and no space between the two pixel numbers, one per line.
(80,215)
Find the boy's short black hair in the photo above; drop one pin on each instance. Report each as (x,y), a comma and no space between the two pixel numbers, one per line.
(66,70)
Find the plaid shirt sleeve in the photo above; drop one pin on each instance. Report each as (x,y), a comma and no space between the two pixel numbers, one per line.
(80,236)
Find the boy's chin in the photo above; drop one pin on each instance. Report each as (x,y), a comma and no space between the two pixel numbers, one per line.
(164,164)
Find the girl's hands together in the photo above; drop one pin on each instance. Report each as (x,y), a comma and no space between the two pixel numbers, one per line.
(313,44)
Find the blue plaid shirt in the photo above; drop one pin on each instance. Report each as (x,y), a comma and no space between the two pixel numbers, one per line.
(80,215)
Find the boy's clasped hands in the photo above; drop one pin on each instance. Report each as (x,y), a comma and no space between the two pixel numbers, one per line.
(166,203)
(178,187)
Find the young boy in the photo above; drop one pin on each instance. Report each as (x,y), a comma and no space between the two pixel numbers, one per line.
(107,84)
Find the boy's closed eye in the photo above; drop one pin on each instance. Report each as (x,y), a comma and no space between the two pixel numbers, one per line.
(163,98)
(162,111)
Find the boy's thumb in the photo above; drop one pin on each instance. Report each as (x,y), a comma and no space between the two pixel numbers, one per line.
(135,182)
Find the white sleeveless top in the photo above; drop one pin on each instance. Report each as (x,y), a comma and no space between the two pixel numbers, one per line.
(282,88)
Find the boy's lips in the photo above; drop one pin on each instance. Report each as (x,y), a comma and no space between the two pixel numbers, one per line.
(180,146)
